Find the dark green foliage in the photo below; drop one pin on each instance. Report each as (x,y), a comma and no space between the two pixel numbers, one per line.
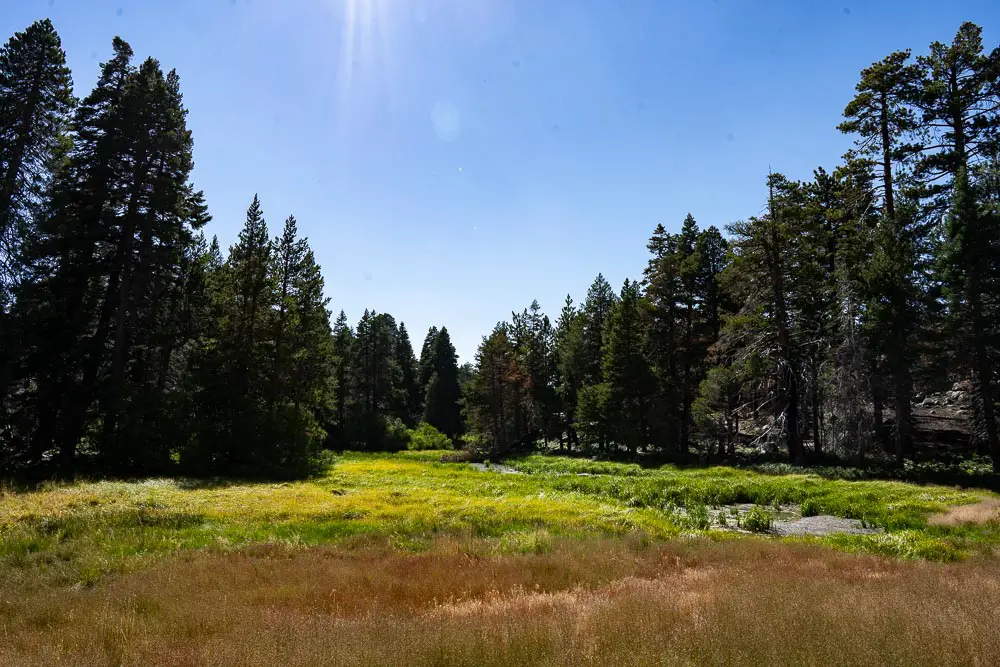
(343,351)
(684,304)
(441,404)
(595,313)
(409,399)
(569,366)
(626,372)
(36,98)
(427,359)
(534,339)
(497,398)
(593,416)
(264,377)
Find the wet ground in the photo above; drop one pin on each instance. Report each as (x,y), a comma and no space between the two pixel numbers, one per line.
(788,519)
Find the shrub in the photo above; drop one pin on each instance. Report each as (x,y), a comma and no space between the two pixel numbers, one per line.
(397,436)
(810,507)
(757,520)
(696,516)
(426,437)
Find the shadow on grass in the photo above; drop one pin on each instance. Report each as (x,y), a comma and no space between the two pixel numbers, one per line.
(970,472)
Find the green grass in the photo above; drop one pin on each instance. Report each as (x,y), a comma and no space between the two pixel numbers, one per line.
(79,532)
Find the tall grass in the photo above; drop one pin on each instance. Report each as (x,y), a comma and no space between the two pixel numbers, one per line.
(468,602)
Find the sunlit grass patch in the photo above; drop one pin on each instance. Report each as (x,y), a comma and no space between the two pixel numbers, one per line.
(80,532)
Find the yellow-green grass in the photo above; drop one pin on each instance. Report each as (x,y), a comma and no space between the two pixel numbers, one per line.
(77,533)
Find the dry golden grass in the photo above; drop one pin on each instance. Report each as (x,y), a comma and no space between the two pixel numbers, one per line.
(982,512)
(463,602)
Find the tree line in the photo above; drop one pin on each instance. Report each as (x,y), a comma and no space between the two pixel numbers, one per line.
(130,343)
(807,328)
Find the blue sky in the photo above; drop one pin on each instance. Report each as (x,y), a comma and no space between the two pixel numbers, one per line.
(451,160)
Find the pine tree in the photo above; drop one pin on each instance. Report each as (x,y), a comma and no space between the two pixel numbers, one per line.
(761,277)
(596,310)
(663,289)
(441,409)
(626,371)
(497,390)
(957,96)
(426,365)
(683,303)
(534,340)
(63,358)
(972,248)
(36,99)
(568,349)
(375,380)
(410,400)
(253,292)
(289,262)
(884,121)
(691,350)
(154,219)
(343,362)
(233,370)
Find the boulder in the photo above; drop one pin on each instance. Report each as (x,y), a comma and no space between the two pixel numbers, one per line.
(962,385)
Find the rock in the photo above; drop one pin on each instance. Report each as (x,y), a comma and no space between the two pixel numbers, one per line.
(928,402)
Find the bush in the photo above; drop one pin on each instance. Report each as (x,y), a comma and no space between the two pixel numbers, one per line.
(810,507)
(426,437)
(697,517)
(757,520)
(397,436)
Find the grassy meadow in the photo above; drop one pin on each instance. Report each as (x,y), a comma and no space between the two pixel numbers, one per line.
(403,559)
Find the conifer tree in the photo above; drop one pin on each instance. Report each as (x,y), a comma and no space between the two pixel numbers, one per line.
(884,122)
(760,277)
(343,362)
(410,400)
(626,371)
(568,346)
(496,391)
(64,254)
(426,364)
(36,98)
(441,409)
(595,312)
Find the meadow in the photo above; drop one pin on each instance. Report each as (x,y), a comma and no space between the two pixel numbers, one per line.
(403,559)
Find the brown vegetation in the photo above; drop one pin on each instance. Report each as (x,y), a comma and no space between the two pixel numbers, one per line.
(577,603)
(983,512)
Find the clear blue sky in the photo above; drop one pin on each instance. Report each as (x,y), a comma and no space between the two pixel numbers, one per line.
(451,160)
